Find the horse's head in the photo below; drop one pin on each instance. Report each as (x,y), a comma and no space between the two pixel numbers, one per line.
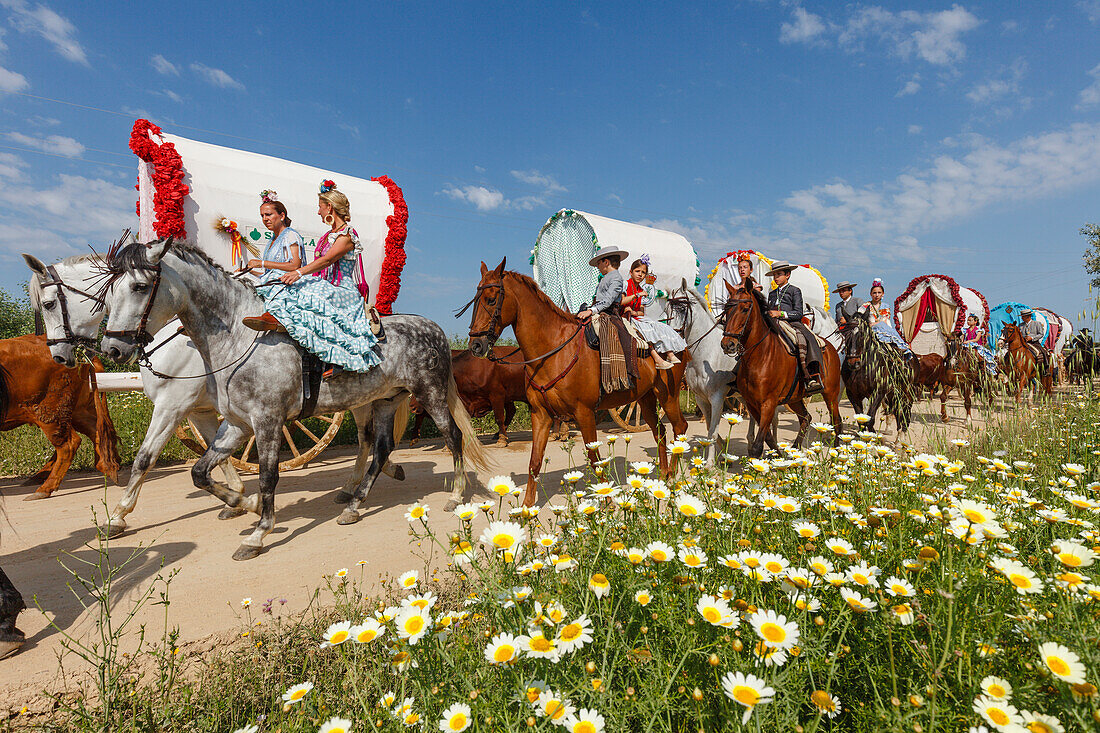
(738,314)
(130,294)
(70,313)
(678,310)
(493,310)
(855,333)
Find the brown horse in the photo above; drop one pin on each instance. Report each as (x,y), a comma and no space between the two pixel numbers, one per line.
(34,390)
(965,370)
(563,373)
(768,375)
(1021,365)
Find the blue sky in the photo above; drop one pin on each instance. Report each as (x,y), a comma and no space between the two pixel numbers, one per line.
(888,139)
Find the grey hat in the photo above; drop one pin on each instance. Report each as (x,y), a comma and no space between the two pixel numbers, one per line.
(844,285)
(780,266)
(603,252)
(1027,312)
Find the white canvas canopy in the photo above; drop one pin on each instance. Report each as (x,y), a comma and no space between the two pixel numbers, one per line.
(226,183)
(814,286)
(931,308)
(571,238)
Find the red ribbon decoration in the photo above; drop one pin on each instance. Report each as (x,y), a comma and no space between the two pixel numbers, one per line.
(394,260)
(167,174)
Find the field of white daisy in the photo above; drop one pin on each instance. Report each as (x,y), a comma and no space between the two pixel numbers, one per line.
(859,588)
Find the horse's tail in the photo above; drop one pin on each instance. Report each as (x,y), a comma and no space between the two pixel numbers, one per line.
(106,439)
(472,448)
(401,419)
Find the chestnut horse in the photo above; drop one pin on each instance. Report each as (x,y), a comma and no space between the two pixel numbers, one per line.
(563,373)
(34,390)
(1021,366)
(768,375)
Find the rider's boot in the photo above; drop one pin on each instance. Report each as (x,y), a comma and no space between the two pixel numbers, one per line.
(812,372)
(266,322)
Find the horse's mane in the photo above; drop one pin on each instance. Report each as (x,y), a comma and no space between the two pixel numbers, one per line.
(762,302)
(534,286)
(135,256)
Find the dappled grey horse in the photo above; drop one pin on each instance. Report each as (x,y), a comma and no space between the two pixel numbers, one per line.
(65,295)
(256,377)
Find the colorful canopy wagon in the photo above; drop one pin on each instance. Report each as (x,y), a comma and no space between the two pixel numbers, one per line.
(570,239)
(932,308)
(814,286)
(1057,331)
(209,195)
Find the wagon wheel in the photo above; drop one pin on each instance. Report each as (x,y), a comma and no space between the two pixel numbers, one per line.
(191,438)
(629,417)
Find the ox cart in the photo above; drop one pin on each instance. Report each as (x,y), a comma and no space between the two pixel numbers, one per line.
(211,194)
(570,238)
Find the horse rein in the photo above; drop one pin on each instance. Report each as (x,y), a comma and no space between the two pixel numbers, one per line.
(141,334)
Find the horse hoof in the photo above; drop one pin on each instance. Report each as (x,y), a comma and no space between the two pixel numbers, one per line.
(231,512)
(398,473)
(36,496)
(944,418)
(413,442)
(8,648)
(342,497)
(502,441)
(348,517)
(450,506)
(247,552)
(112,530)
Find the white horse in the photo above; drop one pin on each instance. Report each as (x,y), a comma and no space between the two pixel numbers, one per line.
(71,312)
(711,372)
(256,378)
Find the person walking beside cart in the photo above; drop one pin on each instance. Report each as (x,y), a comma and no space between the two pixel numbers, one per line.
(786,306)
(319,304)
(663,340)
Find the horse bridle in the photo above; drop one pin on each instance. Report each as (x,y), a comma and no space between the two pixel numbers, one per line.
(492,332)
(141,335)
(62,301)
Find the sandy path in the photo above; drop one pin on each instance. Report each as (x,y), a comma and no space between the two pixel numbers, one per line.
(180,523)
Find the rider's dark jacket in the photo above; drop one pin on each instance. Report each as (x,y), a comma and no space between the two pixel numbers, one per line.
(787,299)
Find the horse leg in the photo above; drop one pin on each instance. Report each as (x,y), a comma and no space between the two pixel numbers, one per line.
(206,422)
(435,404)
(362,415)
(228,437)
(268,438)
(11,603)
(872,407)
(40,475)
(509,415)
(383,445)
(586,423)
(767,412)
(540,433)
(499,413)
(712,413)
(420,415)
(798,407)
(943,402)
(967,390)
(65,443)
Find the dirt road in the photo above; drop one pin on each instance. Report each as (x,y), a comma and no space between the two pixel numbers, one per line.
(174,527)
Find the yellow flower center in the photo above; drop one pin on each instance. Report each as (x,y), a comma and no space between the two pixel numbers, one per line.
(860,578)
(504,652)
(503,540)
(338,637)
(688,510)
(298,695)
(417,513)
(1020,581)
(571,632)
(773,633)
(1058,666)
(1036,726)
(899,590)
(414,624)
(774,567)
(823,700)
(458,721)
(554,709)
(998,716)
(541,644)
(746,696)
(643,598)
(692,561)
(1069,560)
(659,555)
(806,532)
(366,635)
(533,695)
(584,727)
(712,614)
(974,516)
(996,691)
(600,581)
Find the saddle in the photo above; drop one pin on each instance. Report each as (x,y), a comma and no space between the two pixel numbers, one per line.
(312,369)
(619,351)
(788,336)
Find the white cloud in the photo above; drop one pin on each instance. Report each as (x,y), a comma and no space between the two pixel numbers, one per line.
(804,27)
(485,199)
(164,66)
(1090,8)
(56,29)
(217,77)
(172,95)
(934,36)
(75,211)
(911,87)
(534,178)
(1005,84)
(53,144)
(11,166)
(11,81)
(915,129)
(1090,95)
(838,221)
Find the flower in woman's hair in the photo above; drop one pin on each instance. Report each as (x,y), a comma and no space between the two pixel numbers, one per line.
(326,186)
(268,196)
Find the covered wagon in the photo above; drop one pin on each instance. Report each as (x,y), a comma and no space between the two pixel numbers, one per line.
(209,195)
(1009,312)
(932,308)
(808,279)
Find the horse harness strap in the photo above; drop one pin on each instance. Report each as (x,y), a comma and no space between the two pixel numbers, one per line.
(62,301)
(312,369)
(549,385)
(141,334)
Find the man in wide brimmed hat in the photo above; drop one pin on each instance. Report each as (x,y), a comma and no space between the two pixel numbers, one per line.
(786,306)
(610,290)
(849,305)
(1032,331)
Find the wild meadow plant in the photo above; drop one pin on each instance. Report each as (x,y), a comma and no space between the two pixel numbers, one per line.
(855,588)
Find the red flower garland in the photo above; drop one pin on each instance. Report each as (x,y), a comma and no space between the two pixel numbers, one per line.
(167,174)
(953,287)
(394,260)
